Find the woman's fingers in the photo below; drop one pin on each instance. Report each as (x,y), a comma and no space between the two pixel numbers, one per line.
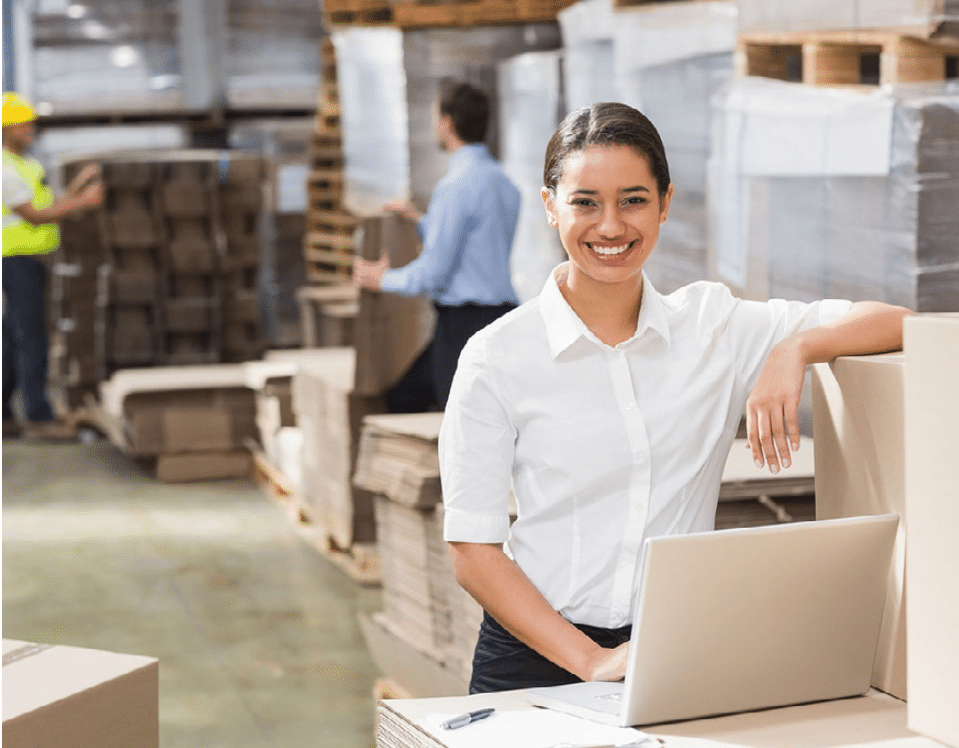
(611,665)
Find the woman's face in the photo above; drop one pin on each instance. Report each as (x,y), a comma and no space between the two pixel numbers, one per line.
(608,212)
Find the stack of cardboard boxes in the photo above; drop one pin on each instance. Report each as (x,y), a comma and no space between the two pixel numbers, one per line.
(191,308)
(128,298)
(186,423)
(423,606)
(175,254)
(74,371)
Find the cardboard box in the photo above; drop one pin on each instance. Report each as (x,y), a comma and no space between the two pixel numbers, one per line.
(330,415)
(68,697)
(157,410)
(932,507)
(860,463)
(388,329)
(189,467)
(418,672)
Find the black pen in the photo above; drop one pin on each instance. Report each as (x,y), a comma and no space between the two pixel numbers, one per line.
(468,718)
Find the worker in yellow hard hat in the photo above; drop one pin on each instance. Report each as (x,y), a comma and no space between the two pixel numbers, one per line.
(30,231)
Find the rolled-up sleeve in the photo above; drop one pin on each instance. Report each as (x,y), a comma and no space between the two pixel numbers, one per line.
(758,326)
(476,449)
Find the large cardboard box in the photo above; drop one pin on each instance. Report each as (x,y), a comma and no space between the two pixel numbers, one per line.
(330,415)
(176,409)
(859,456)
(68,697)
(932,507)
(388,331)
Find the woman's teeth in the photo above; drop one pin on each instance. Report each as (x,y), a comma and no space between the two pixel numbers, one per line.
(609,250)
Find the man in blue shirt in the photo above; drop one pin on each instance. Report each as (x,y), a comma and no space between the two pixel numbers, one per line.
(467,235)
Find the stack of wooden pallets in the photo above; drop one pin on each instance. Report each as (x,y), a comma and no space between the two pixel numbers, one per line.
(848,43)
(328,242)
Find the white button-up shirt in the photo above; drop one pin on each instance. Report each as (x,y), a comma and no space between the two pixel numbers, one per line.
(603,446)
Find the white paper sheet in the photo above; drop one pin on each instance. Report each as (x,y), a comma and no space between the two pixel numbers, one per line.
(533,728)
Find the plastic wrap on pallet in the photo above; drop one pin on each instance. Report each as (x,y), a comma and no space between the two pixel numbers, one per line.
(670,60)
(773,16)
(530,107)
(389,81)
(818,193)
(106,56)
(433,55)
(271,58)
(373,116)
(588,28)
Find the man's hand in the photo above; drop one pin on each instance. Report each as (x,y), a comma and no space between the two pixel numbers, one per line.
(404,208)
(87,174)
(772,410)
(367,274)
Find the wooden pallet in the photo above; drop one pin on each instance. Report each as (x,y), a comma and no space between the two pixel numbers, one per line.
(332,221)
(325,276)
(357,12)
(360,562)
(848,58)
(414,15)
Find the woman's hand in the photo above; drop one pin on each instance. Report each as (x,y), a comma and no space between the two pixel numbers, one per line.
(607,664)
(772,410)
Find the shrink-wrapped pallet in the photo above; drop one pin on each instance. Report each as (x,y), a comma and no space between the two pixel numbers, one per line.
(834,193)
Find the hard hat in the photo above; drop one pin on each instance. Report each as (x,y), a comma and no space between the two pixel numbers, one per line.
(16,110)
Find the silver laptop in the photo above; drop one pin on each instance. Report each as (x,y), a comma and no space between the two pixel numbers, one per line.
(743,619)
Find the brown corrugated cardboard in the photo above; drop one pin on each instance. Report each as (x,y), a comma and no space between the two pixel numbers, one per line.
(418,673)
(932,507)
(68,697)
(858,416)
(330,414)
(195,466)
(387,330)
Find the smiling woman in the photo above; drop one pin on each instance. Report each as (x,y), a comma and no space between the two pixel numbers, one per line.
(609,411)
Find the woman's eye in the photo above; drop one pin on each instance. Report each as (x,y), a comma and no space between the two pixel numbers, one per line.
(635,201)
(583,202)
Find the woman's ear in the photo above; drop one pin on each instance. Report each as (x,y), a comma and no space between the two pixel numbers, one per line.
(664,207)
(550,206)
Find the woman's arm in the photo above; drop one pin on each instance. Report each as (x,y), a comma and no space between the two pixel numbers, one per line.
(772,411)
(507,594)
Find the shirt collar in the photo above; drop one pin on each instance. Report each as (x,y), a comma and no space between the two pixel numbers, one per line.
(467,153)
(564,327)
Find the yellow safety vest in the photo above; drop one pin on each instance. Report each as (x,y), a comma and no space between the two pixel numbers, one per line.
(23,237)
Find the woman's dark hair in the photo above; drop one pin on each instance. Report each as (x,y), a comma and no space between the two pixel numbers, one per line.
(606,124)
(468,108)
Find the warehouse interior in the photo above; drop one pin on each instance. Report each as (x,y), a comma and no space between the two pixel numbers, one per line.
(232,541)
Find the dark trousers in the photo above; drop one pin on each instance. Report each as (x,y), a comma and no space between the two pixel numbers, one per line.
(25,337)
(502,662)
(426,384)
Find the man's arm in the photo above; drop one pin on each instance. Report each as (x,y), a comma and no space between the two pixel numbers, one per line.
(772,411)
(77,198)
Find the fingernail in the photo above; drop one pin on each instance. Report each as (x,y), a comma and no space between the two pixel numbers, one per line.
(774,468)
(759,463)
(795,446)
(787,462)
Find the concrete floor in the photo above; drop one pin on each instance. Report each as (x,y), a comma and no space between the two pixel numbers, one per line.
(256,632)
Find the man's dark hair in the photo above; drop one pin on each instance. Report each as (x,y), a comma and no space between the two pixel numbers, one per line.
(468,108)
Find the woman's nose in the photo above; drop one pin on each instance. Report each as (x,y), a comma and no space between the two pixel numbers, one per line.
(610,222)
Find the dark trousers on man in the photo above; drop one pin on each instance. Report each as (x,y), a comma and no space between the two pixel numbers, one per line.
(426,384)
(25,337)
